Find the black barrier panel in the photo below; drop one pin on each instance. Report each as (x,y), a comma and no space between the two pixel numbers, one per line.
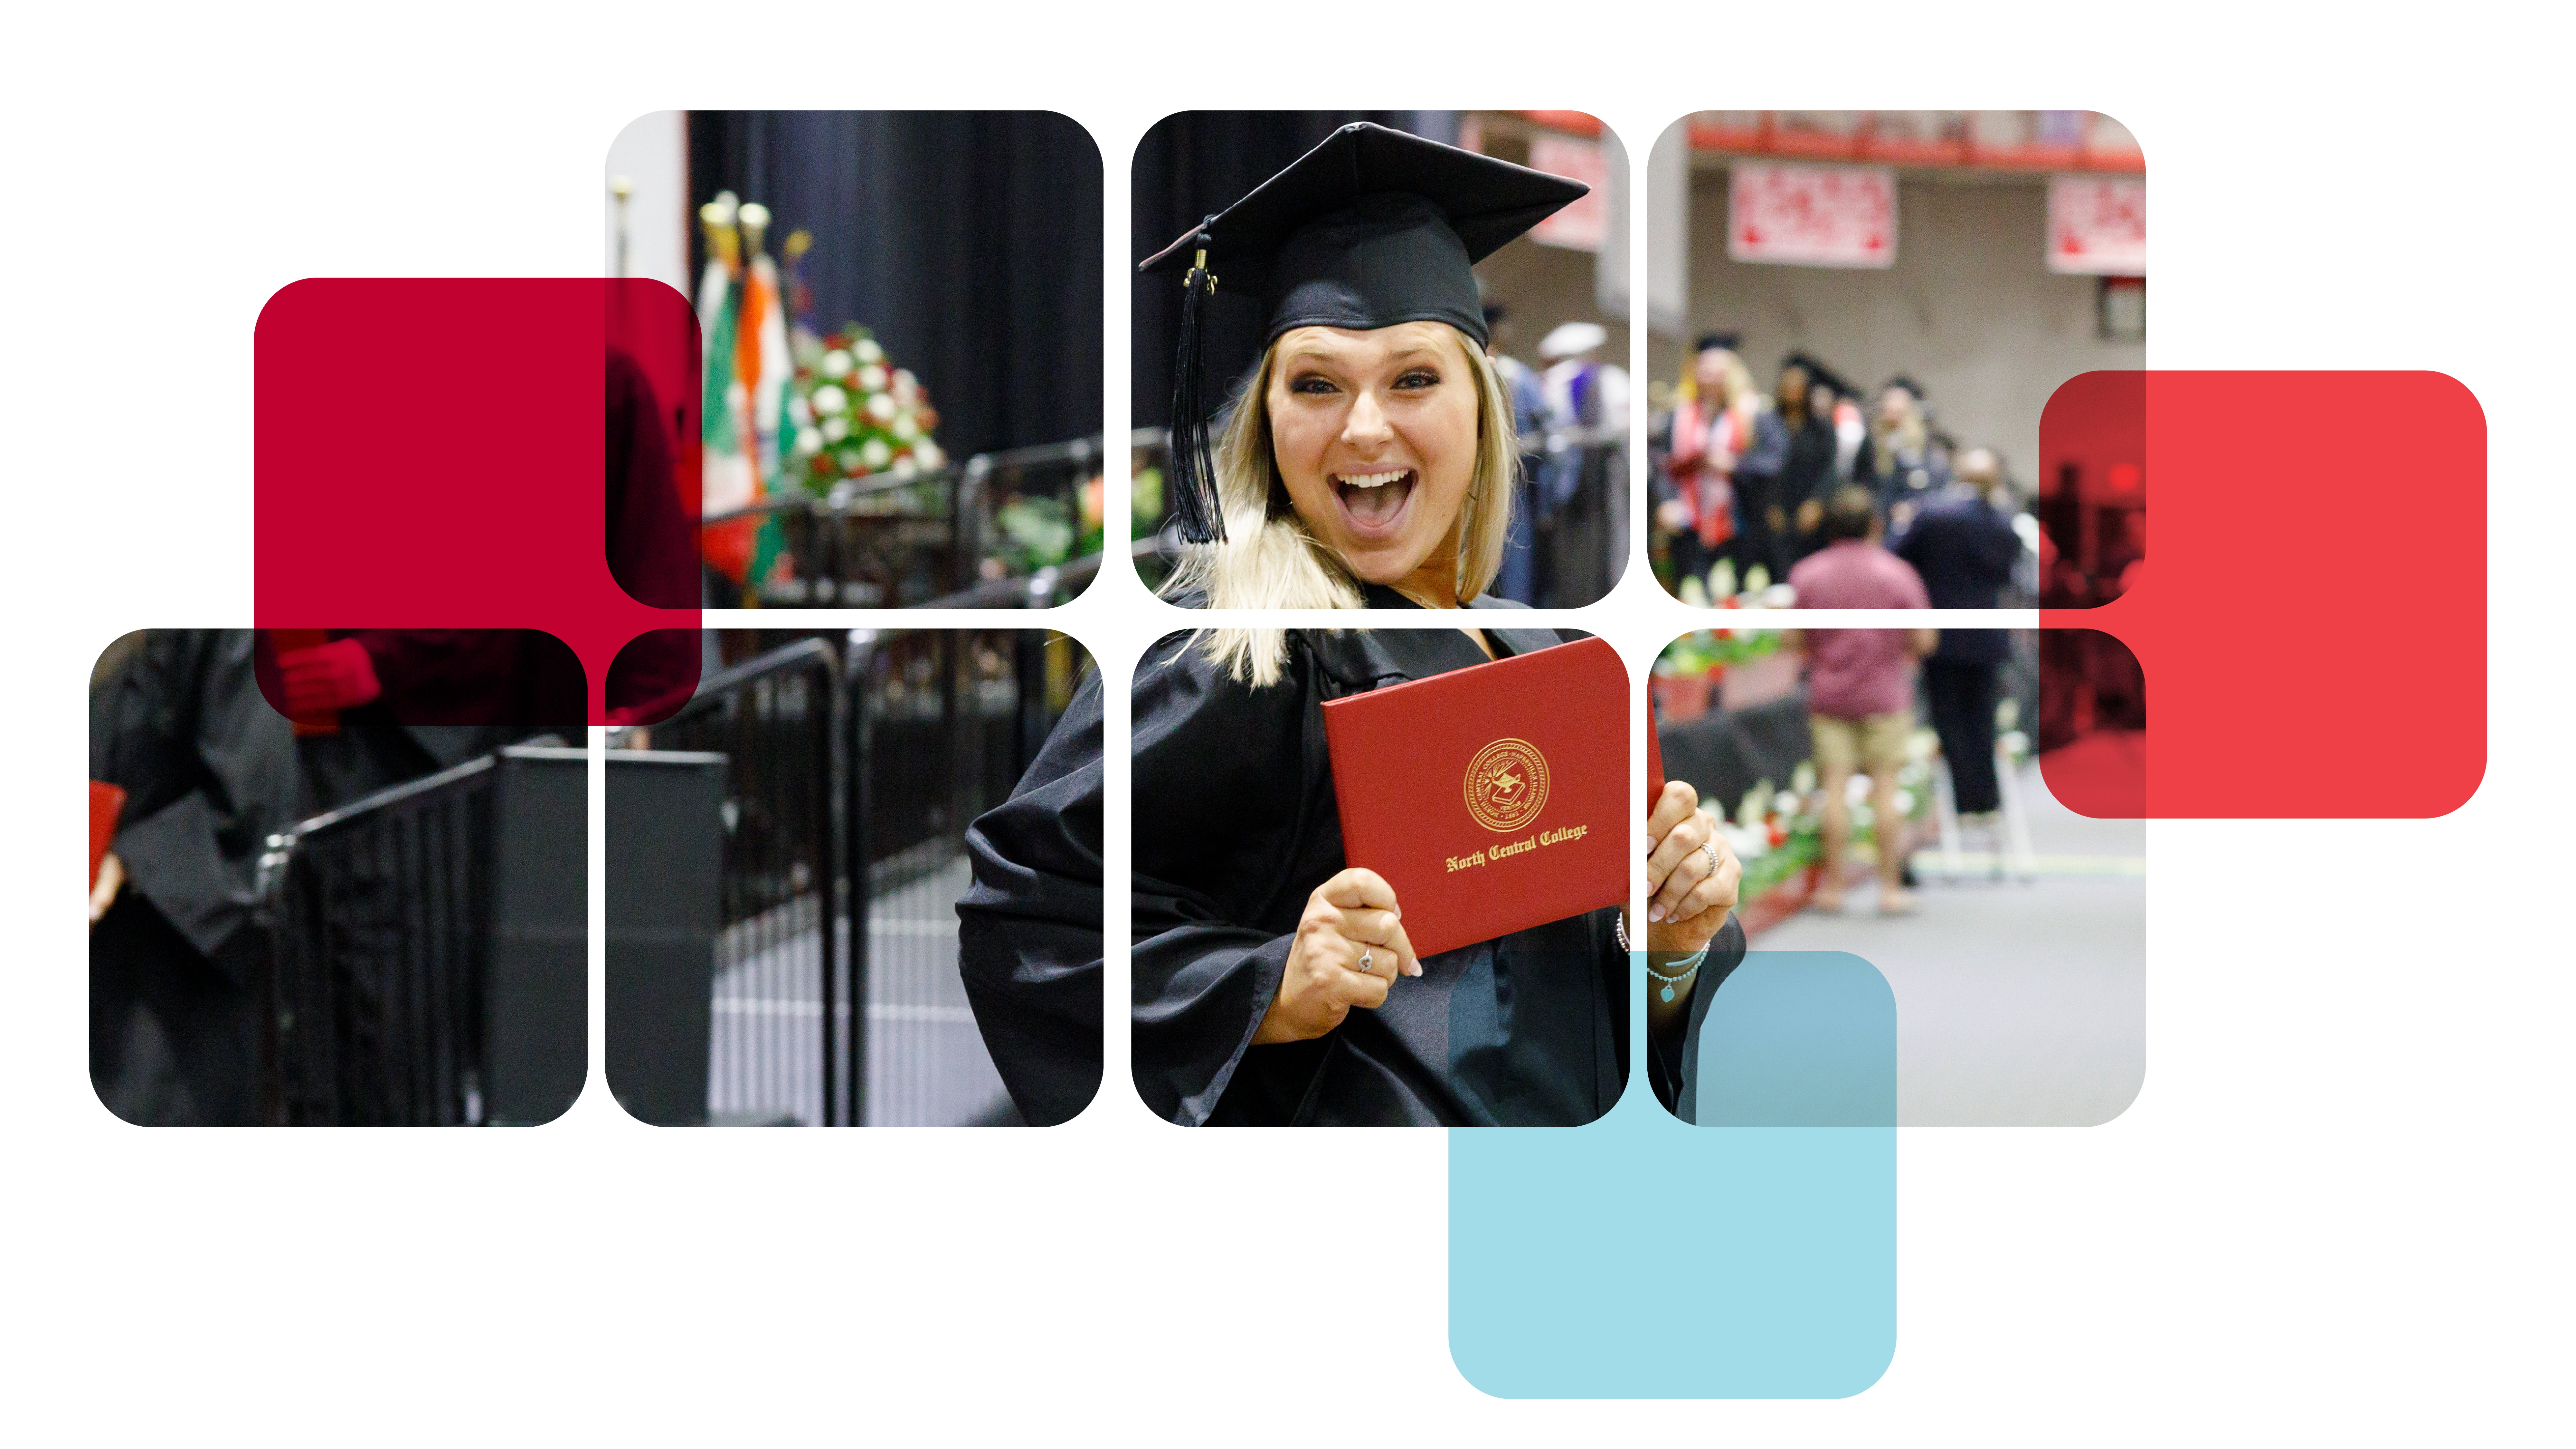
(665,915)
(427,961)
(536,1032)
(1570,522)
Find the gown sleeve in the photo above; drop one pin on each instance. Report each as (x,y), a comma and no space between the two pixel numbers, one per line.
(1228,782)
(1672,1053)
(1029,927)
(209,773)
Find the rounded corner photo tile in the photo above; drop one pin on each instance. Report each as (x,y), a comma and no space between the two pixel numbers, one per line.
(370,912)
(1379,879)
(1898,797)
(888,391)
(1859,319)
(817,914)
(1389,345)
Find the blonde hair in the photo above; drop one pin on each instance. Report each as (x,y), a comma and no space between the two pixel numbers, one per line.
(1271,560)
(1738,377)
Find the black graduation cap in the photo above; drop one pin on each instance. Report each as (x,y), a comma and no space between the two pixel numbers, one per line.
(1371,228)
(1817,371)
(1720,341)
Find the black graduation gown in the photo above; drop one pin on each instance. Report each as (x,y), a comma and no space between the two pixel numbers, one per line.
(449,696)
(1235,825)
(1029,926)
(209,773)
(1808,472)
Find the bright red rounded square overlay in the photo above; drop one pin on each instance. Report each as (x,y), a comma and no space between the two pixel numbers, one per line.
(429,453)
(2312,630)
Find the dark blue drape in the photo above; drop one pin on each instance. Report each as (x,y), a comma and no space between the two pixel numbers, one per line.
(968,240)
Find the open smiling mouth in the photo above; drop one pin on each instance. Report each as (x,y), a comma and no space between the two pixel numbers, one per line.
(1374,501)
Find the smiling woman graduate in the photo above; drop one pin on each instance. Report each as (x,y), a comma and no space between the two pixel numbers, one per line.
(1367,463)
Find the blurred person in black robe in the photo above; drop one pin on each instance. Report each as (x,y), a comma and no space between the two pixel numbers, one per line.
(1964,546)
(383,708)
(1806,397)
(212,769)
(209,774)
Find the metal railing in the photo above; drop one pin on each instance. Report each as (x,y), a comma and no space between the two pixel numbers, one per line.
(944,724)
(380,920)
(1044,589)
(425,962)
(906,542)
(779,1049)
(922,731)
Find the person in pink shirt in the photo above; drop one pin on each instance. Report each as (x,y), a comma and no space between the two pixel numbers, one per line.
(1860,688)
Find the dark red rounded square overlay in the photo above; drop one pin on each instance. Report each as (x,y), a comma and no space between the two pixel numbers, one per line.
(446,453)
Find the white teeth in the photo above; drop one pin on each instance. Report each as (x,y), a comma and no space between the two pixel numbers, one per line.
(1372,480)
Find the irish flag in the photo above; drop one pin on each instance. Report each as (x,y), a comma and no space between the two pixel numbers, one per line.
(762,369)
(728,481)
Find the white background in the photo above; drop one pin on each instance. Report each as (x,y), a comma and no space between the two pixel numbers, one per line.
(2335,1214)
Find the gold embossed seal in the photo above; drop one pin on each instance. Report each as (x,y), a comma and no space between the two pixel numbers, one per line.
(1506,785)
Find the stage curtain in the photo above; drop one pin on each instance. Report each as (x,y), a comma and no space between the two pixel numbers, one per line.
(968,240)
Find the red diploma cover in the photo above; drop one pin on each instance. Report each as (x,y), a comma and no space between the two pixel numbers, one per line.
(1654,761)
(106,802)
(1493,798)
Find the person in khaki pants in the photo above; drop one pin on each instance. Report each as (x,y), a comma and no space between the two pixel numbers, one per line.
(1860,689)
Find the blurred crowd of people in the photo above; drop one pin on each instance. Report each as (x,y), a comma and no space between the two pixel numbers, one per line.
(1817,497)
(1563,529)
(1743,481)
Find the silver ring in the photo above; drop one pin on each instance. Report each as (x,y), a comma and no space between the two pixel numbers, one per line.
(1368,958)
(1711,847)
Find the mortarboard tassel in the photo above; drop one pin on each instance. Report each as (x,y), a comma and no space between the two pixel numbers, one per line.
(1196,508)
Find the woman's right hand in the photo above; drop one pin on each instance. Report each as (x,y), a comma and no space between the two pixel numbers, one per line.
(1350,918)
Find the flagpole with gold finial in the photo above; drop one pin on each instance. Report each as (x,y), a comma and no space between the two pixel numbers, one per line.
(623,188)
(724,242)
(792,289)
(754,219)
(726,478)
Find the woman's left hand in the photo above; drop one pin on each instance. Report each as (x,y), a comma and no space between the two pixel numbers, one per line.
(102,894)
(1692,876)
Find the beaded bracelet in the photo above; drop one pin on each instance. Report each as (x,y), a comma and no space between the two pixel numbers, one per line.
(1690,964)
